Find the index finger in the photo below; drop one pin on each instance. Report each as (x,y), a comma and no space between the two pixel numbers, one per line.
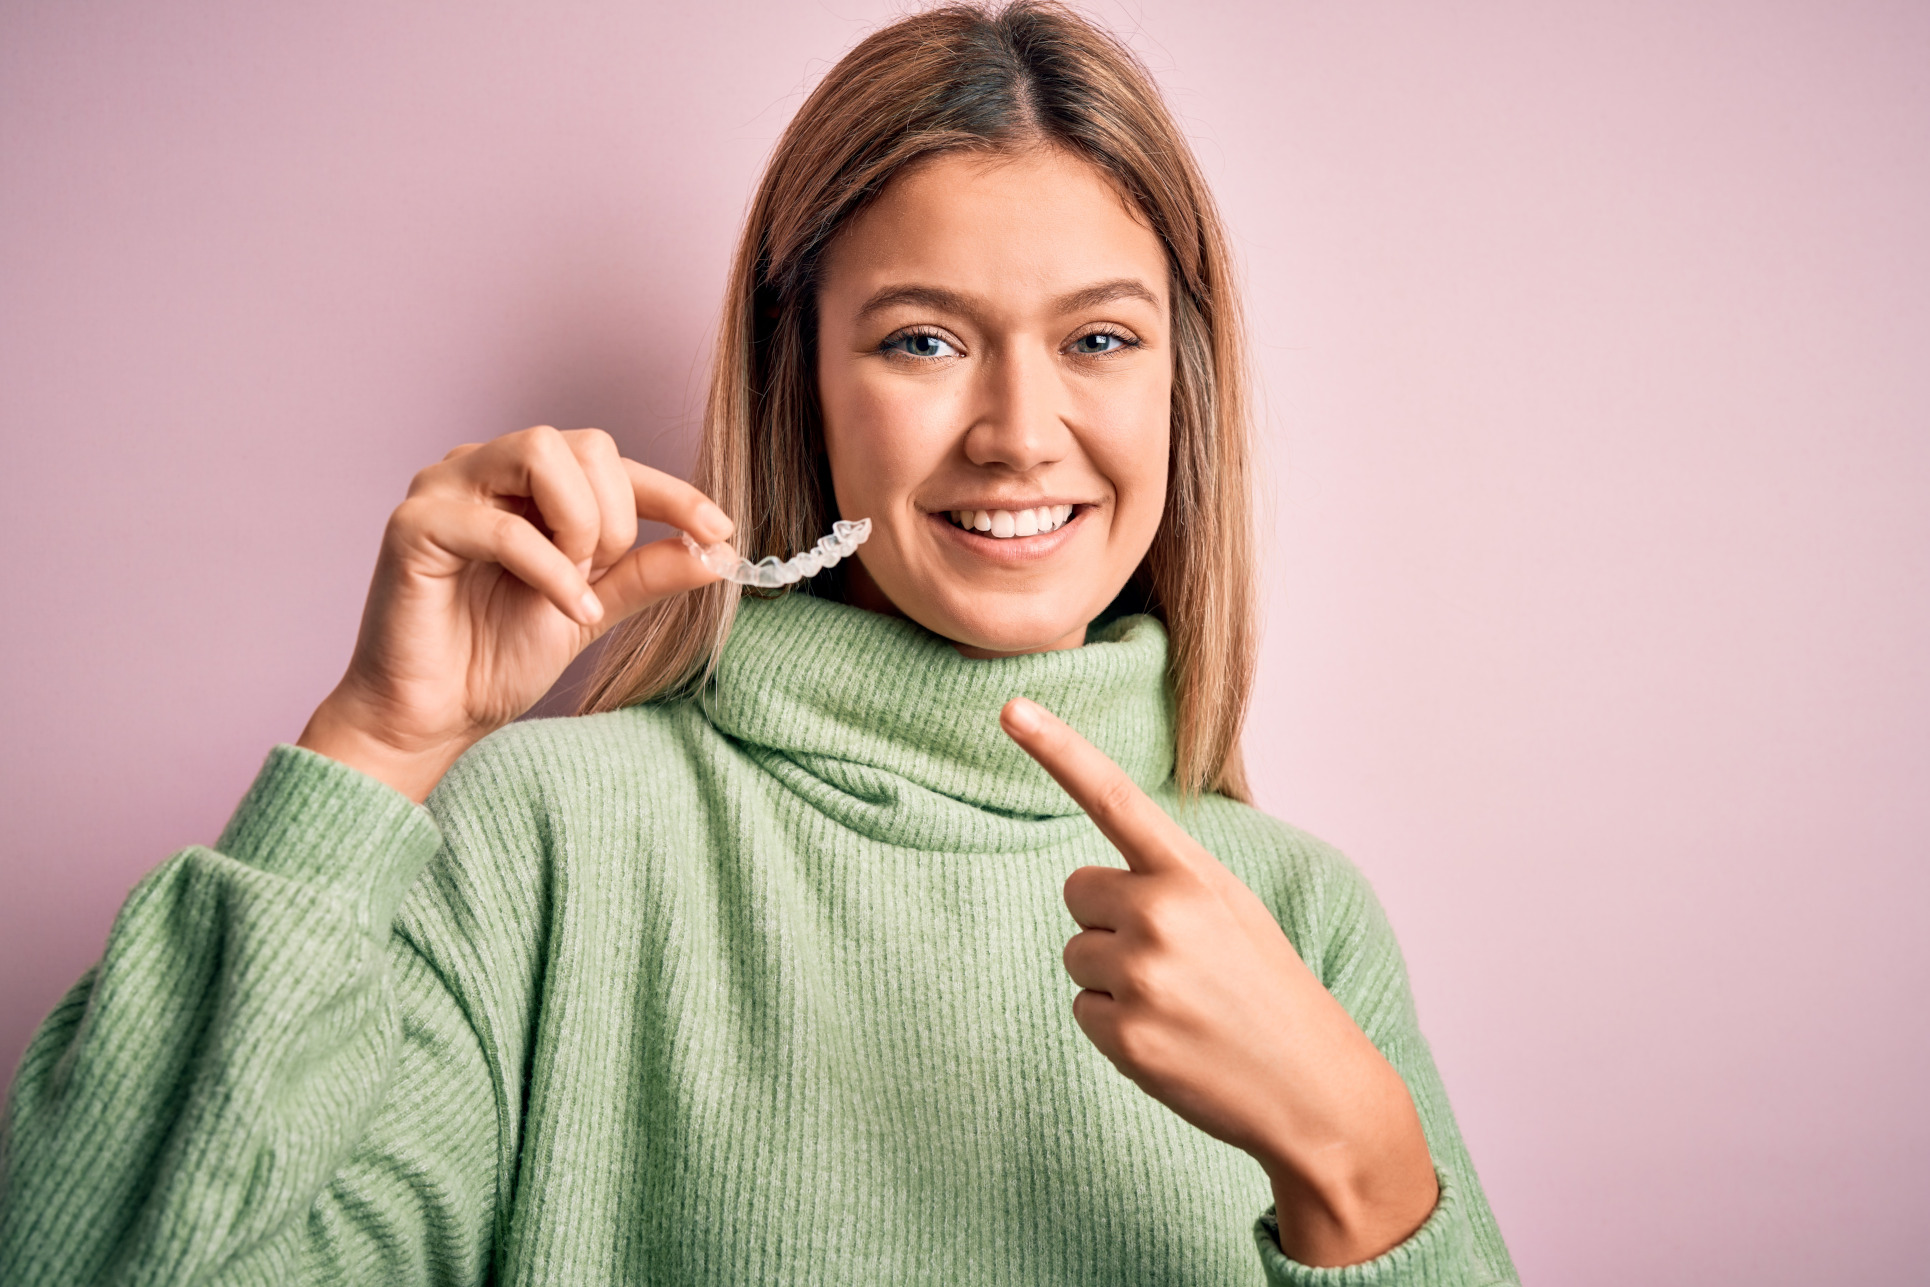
(674,501)
(1125,815)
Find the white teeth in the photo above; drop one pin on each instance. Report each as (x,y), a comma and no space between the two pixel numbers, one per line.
(1004,524)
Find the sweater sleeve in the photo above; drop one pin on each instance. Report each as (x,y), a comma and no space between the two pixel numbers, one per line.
(1459,1244)
(259,1082)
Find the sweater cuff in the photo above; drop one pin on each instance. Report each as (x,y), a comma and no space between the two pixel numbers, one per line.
(310,818)
(1434,1255)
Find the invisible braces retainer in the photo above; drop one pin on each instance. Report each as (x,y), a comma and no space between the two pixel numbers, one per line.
(770,572)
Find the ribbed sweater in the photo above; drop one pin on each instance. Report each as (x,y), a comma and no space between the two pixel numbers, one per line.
(763,986)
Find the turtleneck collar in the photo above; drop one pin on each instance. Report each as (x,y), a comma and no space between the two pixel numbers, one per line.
(855,699)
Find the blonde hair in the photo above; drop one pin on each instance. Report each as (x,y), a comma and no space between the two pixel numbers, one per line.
(964,78)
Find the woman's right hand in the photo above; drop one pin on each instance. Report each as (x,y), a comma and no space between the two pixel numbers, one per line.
(505,561)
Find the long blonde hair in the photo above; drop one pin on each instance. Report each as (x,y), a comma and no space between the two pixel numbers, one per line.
(965,78)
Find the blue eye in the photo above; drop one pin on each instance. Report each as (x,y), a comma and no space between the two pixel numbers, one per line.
(921,345)
(1099,342)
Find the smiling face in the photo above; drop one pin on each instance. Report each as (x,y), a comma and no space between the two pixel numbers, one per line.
(995,371)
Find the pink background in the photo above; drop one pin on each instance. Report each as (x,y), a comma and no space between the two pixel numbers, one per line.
(1596,344)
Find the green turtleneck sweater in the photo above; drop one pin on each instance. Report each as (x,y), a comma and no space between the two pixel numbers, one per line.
(763,987)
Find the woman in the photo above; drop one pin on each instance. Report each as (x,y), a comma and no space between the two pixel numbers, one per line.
(757,970)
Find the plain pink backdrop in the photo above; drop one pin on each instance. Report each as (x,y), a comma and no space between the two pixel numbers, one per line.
(1596,349)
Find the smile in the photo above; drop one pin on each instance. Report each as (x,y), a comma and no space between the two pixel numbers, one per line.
(1005,524)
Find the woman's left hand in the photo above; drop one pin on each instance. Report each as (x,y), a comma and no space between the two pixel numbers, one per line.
(1192,990)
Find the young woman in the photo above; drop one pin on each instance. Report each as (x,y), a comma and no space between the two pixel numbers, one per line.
(760,970)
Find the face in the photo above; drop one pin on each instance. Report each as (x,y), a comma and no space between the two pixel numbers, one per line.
(996,376)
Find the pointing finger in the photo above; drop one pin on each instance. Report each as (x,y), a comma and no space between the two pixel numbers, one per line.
(1127,816)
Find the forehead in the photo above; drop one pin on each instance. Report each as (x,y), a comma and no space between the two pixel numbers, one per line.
(1011,228)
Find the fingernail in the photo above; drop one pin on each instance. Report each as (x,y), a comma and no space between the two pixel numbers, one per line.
(583,568)
(591,607)
(716,520)
(1022,716)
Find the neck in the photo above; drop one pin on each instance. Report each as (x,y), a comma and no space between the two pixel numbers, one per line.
(898,735)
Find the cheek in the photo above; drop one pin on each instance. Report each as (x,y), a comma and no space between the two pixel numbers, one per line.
(883,436)
(1133,453)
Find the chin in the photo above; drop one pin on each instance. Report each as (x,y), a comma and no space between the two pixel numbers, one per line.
(1007,627)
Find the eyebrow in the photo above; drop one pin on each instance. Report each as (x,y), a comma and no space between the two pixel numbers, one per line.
(1105,293)
(937,297)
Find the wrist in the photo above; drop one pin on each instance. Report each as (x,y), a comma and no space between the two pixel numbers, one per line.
(339,731)
(1349,1200)
(1349,1221)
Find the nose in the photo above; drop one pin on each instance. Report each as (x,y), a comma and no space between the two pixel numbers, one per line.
(1018,412)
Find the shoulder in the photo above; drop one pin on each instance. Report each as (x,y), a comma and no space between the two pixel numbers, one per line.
(1322,899)
(552,749)
(531,768)
(542,794)
(532,817)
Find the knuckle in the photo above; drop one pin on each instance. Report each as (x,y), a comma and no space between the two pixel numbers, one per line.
(1115,797)
(626,580)
(615,545)
(1138,976)
(1131,1043)
(426,477)
(1153,921)
(595,441)
(1086,884)
(504,527)
(411,515)
(532,440)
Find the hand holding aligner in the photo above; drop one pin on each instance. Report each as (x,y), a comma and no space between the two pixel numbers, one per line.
(770,572)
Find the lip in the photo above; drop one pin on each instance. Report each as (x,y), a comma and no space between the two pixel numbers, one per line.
(1013,551)
(1038,502)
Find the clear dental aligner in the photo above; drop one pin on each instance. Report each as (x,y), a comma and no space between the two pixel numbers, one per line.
(770,572)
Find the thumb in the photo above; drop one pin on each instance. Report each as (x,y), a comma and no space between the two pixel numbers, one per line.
(644,576)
